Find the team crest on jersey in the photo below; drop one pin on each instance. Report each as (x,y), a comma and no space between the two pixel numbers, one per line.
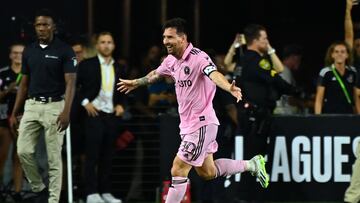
(187,70)
(350,78)
(265,64)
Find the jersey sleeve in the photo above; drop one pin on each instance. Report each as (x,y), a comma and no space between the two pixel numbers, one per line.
(322,78)
(69,61)
(207,66)
(164,68)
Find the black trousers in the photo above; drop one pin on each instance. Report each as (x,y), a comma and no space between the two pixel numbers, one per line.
(100,135)
(255,126)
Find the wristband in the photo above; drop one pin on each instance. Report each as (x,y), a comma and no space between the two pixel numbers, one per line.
(84,102)
(271,51)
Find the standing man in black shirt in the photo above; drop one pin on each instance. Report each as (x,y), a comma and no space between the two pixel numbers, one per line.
(261,86)
(48,83)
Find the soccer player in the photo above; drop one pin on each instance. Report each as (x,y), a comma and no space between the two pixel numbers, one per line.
(195,77)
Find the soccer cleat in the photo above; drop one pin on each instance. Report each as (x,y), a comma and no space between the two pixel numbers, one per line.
(260,171)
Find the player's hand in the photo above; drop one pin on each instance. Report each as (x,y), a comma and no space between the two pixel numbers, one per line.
(119,110)
(14,123)
(235,91)
(91,110)
(63,121)
(127,85)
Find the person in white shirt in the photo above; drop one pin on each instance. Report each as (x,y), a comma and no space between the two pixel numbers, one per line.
(103,107)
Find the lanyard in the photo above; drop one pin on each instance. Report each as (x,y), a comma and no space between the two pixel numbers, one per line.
(341,84)
(18,78)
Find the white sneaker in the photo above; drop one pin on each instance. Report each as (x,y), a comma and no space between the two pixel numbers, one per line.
(109,198)
(94,198)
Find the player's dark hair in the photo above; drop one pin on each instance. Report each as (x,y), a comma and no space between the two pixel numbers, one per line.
(178,23)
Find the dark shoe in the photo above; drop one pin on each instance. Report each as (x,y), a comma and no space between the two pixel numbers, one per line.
(42,196)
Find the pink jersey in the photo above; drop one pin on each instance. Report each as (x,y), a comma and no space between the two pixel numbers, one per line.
(194,89)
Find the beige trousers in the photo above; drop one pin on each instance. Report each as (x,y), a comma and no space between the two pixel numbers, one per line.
(36,116)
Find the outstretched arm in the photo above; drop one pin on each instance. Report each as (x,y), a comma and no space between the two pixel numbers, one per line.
(129,85)
(222,82)
(348,24)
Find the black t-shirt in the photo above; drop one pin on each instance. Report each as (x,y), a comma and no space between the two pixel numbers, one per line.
(7,76)
(257,79)
(335,101)
(46,67)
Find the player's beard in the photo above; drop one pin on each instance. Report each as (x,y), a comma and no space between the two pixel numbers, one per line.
(173,50)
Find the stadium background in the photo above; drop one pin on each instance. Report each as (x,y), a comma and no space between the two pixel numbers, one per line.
(312,24)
